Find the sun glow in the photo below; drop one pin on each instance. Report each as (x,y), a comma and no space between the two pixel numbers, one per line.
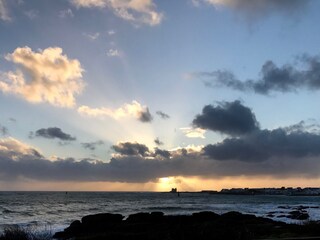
(166,183)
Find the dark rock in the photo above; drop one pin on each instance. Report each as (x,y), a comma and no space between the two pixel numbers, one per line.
(301,207)
(205,216)
(139,217)
(294,212)
(74,226)
(101,218)
(157,214)
(202,225)
(298,215)
(236,216)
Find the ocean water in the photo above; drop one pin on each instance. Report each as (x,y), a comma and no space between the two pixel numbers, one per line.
(57,210)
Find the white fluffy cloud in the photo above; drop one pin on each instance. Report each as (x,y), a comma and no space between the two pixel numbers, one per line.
(15,150)
(3,11)
(134,109)
(43,76)
(193,132)
(137,11)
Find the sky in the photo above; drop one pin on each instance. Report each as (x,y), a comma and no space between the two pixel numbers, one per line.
(147,95)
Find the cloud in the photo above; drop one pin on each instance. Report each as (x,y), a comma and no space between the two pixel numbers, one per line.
(20,161)
(3,130)
(145,116)
(136,11)
(113,53)
(193,132)
(220,78)
(305,74)
(66,13)
(111,32)
(262,145)
(135,163)
(52,133)
(43,76)
(13,120)
(4,15)
(93,36)
(158,142)
(310,126)
(260,8)
(228,117)
(133,109)
(11,148)
(162,153)
(32,14)
(131,149)
(89,3)
(162,115)
(92,145)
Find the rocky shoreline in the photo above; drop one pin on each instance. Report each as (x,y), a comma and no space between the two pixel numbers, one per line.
(201,225)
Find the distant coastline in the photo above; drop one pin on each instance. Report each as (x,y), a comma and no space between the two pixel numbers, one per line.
(289,191)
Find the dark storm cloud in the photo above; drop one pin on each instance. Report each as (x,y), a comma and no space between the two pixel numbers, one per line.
(228,117)
(287,78)
(158,142)
(285,155)
(145,116)
(92,145)
(162,115)
(162,153)
(54,132)
(131,149)
(310,126)
(262,145)
(15,165)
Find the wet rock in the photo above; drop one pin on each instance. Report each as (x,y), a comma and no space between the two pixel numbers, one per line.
(205,216)
(74,226)
(202,225)
(236,216)
(139,217)
(101,218)
(284,207)
(302,207)
(298,215)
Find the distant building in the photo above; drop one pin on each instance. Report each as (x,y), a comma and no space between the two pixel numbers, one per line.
(174,190)
(273,191)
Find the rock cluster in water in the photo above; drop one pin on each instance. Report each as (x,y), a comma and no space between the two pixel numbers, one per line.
(202,225)
(292,212)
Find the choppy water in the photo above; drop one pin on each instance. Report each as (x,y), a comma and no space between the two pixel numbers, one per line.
(58,209)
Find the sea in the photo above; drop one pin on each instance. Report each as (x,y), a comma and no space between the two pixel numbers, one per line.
(56,210)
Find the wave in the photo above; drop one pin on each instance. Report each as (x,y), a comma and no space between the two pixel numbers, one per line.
(6,211)
(170,208)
